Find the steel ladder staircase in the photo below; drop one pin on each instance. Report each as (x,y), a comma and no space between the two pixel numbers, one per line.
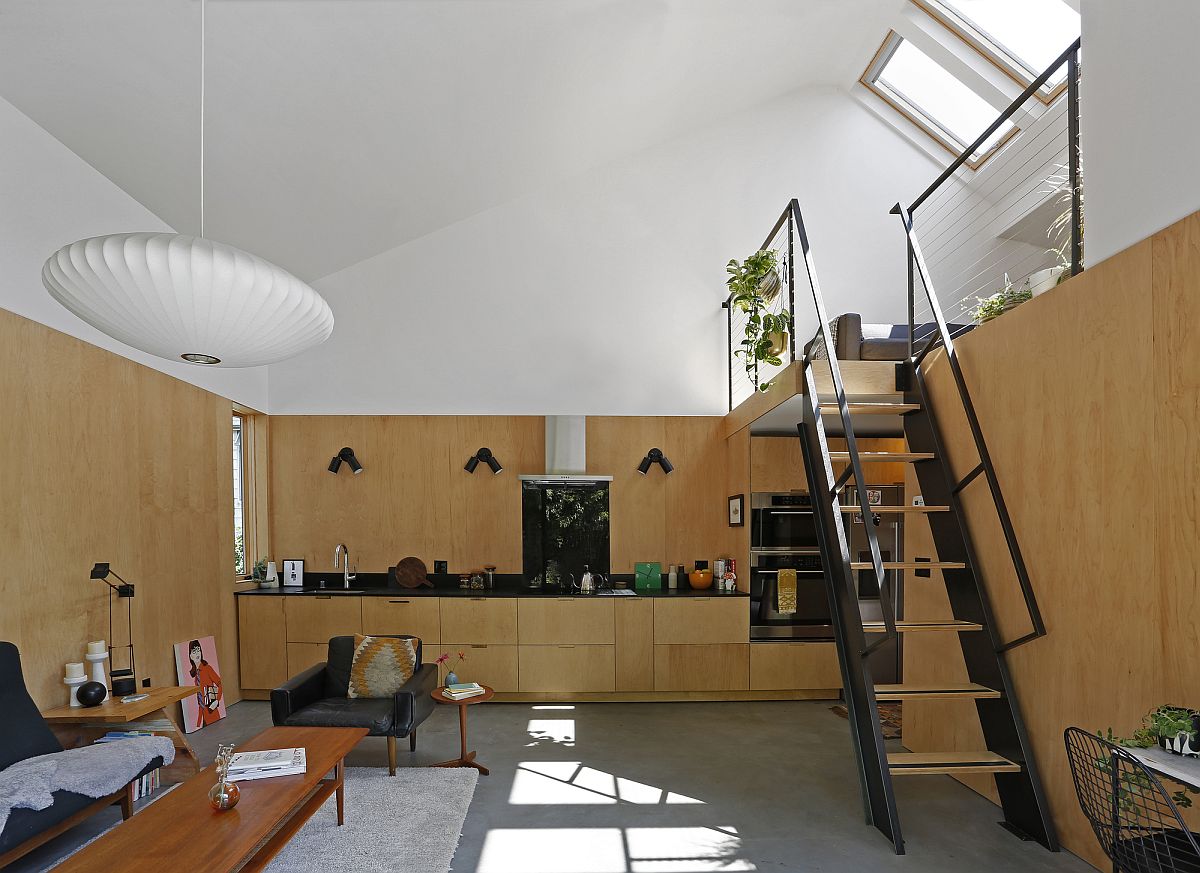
(1007,754)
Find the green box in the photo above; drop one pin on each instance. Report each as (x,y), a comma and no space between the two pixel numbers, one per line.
(647,575)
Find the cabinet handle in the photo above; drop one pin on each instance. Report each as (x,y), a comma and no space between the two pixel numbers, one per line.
(479,598)
(473,646)
(565,599)
(324,597)
(700,599)
(399,601)
(566,647)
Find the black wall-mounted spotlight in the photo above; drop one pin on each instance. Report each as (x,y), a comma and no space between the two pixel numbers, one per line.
(485,455)
(347,455)
(655,456)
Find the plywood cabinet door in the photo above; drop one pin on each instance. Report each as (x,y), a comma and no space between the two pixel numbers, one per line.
(565,668)
(262,641)
(565,621)
(301,656)
(316,618)
(418,616)
(494,666)
(635,643)
(480,620)
(702,668)
(701,620)
(794,666)
(776,464)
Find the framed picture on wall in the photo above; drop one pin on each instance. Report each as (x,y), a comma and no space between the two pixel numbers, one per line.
(737,510)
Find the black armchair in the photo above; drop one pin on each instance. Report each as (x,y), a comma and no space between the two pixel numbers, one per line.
(317,698)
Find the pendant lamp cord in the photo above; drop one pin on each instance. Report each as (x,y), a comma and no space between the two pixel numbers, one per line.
(202,52)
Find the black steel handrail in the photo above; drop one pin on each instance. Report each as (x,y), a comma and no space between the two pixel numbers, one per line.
(917,268)
(796,223)
(1070,57)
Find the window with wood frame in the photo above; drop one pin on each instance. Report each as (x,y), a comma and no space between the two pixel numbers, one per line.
(1021,37)
(934,99)
(243,545)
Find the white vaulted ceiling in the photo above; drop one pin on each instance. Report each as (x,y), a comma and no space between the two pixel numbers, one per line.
(339,129)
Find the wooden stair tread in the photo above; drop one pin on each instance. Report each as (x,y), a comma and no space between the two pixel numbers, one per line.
(871,408)
(933,691)
(910,565)
(888,510)
(923,763)
(921,626)
(885,457)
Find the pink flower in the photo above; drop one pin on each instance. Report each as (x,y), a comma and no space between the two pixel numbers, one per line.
(462,656)
(442,658)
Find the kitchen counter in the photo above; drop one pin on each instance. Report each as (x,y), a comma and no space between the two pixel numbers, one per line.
(499,592)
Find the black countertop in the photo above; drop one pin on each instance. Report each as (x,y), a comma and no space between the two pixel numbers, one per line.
(501,590)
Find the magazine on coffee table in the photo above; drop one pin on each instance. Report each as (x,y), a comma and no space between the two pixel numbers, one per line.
(271,762)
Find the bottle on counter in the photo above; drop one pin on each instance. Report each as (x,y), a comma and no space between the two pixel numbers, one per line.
(730,575)
(673,578)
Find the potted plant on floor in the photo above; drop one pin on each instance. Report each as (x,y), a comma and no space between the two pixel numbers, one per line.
(753,285)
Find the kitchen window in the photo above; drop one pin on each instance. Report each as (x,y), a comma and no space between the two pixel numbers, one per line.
(934,99)
(241,569)
(1021,37)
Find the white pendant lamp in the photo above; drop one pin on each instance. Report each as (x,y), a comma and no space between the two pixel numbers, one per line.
(188,298)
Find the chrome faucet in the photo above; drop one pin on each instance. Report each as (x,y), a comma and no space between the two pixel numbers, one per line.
(348,576)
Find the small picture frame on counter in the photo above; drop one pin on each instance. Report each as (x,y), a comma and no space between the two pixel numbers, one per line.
(737,510)
(293,574)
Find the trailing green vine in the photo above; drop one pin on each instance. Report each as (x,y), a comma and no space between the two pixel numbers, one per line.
(752,283)
(1165,722)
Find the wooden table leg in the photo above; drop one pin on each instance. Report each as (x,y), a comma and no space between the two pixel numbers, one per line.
(465,758)
(339,774)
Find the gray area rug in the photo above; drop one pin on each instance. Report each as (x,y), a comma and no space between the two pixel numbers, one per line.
(407,823)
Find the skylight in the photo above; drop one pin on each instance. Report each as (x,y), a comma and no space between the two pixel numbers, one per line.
(932,97)
(1022,36)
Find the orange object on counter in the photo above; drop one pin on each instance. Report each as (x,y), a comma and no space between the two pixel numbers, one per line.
(701,579)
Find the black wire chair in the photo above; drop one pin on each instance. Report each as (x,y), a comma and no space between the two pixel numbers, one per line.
(1138,825)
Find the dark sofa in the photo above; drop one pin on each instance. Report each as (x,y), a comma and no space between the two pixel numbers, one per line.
(24,734)
(855,341)
(317,698)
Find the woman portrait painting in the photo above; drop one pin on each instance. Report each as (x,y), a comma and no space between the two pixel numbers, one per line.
(196,664)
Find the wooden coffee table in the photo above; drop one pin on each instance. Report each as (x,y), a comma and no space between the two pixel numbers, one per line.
(81,725)
(182,828)
(465,758)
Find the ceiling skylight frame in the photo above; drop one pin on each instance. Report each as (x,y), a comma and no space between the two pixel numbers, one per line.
(989,48)
(912,111)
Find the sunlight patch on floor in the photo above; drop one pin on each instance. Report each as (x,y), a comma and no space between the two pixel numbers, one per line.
(552,782)
(613,850)
(554,730)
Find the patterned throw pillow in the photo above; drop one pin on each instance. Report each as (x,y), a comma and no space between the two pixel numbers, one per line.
(381,665)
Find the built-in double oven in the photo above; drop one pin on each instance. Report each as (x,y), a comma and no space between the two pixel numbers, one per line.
(784,537)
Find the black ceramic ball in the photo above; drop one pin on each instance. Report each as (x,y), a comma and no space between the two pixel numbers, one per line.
(90,694)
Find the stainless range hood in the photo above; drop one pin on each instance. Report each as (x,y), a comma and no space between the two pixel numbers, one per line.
(566,453)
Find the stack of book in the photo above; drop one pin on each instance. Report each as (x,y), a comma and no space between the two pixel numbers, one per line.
(245,766)
(463,690)
(146,784)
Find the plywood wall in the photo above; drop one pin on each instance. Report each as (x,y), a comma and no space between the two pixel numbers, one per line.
(1090,400)
(108,460)
(676,518)
(414,498)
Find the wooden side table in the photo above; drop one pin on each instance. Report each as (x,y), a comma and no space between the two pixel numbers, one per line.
(465,758)
(80,725)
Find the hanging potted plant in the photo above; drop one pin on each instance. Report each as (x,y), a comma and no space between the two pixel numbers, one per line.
(766,335)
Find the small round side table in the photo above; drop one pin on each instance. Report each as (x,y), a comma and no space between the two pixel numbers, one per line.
(465,758)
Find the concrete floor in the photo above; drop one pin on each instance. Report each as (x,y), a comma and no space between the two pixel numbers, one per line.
(678,787)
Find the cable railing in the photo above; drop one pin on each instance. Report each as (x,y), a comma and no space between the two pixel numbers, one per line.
(748,373)
(1011,229)
(1038,186)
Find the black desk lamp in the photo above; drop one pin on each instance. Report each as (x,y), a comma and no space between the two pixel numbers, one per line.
(123,681)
